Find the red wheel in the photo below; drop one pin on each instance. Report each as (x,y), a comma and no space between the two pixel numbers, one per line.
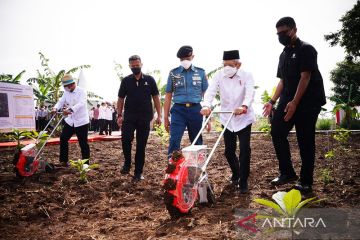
(26,165)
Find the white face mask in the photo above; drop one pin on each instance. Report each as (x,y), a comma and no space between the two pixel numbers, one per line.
(67,89)
(185,63)
(230,71)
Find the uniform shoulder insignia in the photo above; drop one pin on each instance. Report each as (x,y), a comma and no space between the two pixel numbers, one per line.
(199,68)
(174,69)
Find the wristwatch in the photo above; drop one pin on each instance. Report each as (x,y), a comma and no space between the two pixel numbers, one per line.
(272,102)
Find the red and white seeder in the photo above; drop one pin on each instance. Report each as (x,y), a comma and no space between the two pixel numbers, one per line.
(186,179)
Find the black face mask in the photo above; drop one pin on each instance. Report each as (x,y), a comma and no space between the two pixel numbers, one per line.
(284,39)
(136,70)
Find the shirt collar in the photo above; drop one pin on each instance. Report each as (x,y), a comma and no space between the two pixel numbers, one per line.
(192,67)
(142,76)
(296,45)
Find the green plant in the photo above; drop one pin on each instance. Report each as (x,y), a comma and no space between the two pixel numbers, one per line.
(342,135)
(326,176)
(216,124)
(324,124)
(41,137)
(262,124)
(118,69)
(83,168)
(47,85)
(330,154)
(161,132)
(8,78)
(16,135)
(265,97)
(353,123)
(287,205)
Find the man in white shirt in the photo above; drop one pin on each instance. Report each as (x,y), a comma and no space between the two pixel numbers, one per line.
(236,88)
(73,104)
(102,118)
(37,119)
(108,118)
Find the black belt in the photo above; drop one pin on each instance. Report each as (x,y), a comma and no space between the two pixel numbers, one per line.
(187,104)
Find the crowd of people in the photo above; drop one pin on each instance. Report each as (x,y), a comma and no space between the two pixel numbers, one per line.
(103,118)
(300,92)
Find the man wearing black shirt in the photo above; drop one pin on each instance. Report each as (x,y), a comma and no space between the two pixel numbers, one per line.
(136,91)
(302,94)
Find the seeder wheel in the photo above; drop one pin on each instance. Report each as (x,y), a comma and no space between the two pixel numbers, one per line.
(180,185)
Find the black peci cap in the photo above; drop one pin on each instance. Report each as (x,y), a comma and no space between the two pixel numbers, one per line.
(231,55)
(184,51)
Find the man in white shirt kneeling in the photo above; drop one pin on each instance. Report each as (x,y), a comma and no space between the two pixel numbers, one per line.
(236,88)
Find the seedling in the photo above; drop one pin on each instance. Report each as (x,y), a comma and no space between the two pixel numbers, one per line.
(161,132)
(326,176)
(83,168)
(342,135)
(287,205)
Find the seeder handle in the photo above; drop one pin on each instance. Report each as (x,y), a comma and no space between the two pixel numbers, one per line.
(57,124)
(207,121)
(47,125)
(203,168)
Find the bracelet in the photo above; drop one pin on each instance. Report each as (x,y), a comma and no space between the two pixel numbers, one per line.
(272,102)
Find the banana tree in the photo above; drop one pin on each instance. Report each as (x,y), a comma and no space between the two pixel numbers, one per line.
(8,78)
(118,69)
(50,80)
(42,94)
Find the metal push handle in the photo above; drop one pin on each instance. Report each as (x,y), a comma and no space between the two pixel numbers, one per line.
(57,124)
(219,138)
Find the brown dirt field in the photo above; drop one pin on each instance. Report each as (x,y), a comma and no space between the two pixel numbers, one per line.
(110,206)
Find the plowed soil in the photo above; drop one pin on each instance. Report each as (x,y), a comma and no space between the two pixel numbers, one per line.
(110,206)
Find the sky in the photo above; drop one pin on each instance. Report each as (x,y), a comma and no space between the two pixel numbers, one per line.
(94,32)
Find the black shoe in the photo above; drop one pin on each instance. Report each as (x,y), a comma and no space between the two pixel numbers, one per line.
(304,188)
(125,170)
(283,179)
(65,164)
(137,178)
(244,187)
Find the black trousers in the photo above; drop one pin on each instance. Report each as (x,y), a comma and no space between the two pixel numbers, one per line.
(304,122)
(96,125)
(42,123)
(240,167)
(101,126)
(107,126)
(82,135)
(142,133)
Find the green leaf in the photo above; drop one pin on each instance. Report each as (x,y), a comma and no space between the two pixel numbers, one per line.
(93,166)
(291,200)
(263,216)
(302,204)
(269,204)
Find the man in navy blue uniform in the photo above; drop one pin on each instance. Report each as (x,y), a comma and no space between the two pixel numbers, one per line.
(302,94)
(185,88)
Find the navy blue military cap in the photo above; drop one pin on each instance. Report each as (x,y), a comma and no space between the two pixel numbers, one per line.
(231,55)
(184,51)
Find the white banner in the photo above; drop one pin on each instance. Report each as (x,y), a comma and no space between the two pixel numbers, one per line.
(16,107)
